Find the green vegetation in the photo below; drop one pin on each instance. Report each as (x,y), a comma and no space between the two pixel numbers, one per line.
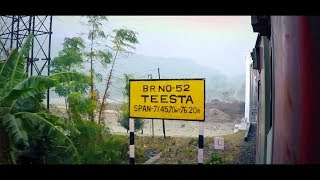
(123,119)
(70,60)
(96,146)
(26,126)
(184,150)
(123,43)
(30,133)
(215,158)
(118,42)
(97,38)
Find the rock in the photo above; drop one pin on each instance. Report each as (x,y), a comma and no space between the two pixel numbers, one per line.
(151,153)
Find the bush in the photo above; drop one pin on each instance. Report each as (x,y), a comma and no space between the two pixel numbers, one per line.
(97,146)
(124,122)
(80,107)
(116,149)
(94,144)
(123,119)
(215,158)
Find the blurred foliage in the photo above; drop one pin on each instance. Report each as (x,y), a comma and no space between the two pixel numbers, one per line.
(95,55)
(215,158)
(30,128)
(123,119)
(96,145)
(80,106)
(34,135)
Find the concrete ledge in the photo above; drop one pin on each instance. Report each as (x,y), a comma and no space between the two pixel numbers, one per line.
(151,160)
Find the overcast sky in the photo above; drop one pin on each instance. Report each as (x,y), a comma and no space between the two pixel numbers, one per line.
(220,42)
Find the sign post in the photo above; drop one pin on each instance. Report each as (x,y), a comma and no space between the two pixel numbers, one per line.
(163,126)
(169,99)
(152,124)
(131,150)
(200,143)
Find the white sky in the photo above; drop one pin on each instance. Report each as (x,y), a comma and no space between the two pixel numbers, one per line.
(220,42)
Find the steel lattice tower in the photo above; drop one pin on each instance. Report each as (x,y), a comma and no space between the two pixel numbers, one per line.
(13,32)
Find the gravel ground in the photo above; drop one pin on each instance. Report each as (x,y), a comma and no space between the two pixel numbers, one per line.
(248,152)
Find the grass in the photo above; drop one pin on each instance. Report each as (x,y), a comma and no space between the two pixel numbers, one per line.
(183,150)
(215,158)
(232,148)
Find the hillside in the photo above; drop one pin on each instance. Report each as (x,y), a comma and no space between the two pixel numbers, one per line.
(170,68)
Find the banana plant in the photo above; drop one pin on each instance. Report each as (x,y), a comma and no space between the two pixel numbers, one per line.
(21,112)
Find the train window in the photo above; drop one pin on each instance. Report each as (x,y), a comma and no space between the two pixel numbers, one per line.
(256,58)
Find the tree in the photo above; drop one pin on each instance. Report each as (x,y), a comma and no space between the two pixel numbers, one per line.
(95,35)
(22,115)
(123,41)
(70,59)
(123,119)
(80,106)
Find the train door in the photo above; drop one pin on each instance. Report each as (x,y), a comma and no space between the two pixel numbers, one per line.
(269,128)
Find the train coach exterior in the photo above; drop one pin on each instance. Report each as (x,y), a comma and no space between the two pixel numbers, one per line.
(286,58)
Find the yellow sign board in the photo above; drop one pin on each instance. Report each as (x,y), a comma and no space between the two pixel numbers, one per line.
(176,99)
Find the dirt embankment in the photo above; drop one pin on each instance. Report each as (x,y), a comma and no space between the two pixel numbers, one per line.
(184,150)
(220,111)
(220,119)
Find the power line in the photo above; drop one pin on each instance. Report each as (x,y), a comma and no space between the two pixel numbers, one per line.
(144,71)
(116,86)
(145,76)
(115,100)
(116,77)
(137,72)
(117,70)
(119,78)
